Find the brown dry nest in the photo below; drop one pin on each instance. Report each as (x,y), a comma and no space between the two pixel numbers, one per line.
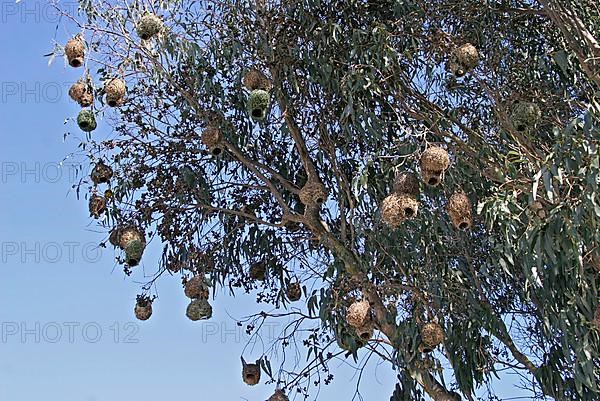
(212,138)
(396,208)
(97,206)
(196,288)
(101,173)
(122,236)
(279,395)
(406,183)
(294,291)
(251,372)
(254,79)
(75,51)
(459,209)
(258,271)
(143,308)
(82,93)
(365,332)
(313,193)
(432,335)
(115,90)
(463,59)
(358,314)
(434,163)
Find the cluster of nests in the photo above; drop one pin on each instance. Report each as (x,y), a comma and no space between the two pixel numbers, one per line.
(359,317)
(258,272)
(115,89)
(402,203)
(131,240)
(101,174)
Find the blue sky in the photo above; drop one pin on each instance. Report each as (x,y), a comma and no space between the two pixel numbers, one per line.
(68,332)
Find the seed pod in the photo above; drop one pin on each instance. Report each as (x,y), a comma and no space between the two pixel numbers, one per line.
(251,372)
(75,51)
(313,193)
(434,163)
(86,121)
(258,104)
(459,209)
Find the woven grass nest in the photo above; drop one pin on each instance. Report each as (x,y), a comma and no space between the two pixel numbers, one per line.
(254,79)
(199,309)
(258,271)
(115,90)
(525,115)
(143,308)
(86,120)
(196,288)
(434,163)
(365,332)
(294,291)
(75,51)
(358,314)
(101,174)
(212,138)
(406,183)
(251,372)
(127,235)
(258,104)
(148,26)
(432,335)
(459,209)
(133,252)
(313,193)
(396,208)
(97,206)
(278,395)
(463,59)
(82,93)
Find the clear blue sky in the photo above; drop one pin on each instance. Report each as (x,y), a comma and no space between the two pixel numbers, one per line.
(57,291)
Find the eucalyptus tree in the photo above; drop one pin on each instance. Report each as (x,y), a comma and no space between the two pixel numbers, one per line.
(423,174)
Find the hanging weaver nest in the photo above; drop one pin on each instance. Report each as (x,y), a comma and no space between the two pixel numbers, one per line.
(199,309)
(126,235)
(459,209)
(463,59)
(254,79)
(97,205)
(313,193)
(251,372)
(86,121)
(294,291)
(432,335)
(434,162)
(365,333)
(81,92)
(143,308)
(406,183)
(258,104)
(212,138)
(115,90)
(133,252)
(359,314)
(75,51)
(196,288)
(525,115)
(347,339)
(279,395)
(101,173)
(258,271)
(148,26)
(396,208)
